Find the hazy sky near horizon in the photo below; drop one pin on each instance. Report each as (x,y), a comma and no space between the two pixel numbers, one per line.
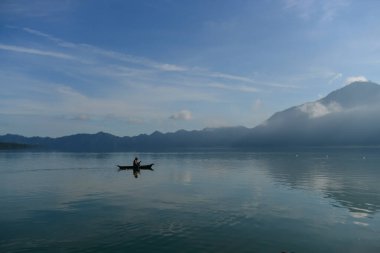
(131,67)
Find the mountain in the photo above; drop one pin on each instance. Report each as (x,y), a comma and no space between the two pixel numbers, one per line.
(12,146)
(104,142)
(348,116)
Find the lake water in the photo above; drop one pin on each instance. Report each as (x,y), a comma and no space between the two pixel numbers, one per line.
(204,201)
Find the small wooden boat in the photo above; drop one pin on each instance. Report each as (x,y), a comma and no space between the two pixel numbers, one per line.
(141,167)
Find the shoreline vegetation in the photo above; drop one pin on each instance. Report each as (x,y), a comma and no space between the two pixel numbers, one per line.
(12,146)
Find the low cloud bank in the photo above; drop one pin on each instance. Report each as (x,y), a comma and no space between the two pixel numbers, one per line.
(353,79)
(182,115)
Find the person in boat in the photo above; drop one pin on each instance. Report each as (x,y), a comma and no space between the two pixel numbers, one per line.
(136,163)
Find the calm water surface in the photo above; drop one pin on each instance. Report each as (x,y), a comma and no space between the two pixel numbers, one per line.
(205,201)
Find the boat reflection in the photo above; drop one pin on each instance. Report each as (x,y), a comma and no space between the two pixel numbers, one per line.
(135,171)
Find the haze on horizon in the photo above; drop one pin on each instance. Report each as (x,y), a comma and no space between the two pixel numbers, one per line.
(132,67)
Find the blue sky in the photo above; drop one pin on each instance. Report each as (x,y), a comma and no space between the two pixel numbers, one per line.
(132,67)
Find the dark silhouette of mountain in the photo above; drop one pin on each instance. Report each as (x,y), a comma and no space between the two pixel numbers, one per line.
(354,95)
(348,116)
(104,142)
(12,146)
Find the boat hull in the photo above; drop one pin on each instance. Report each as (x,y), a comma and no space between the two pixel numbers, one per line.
(130,167)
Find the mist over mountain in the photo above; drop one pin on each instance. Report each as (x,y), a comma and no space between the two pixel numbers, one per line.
(348,116)
(345,117)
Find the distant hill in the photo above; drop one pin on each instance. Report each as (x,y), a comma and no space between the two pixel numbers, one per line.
(104,142)
(348,116)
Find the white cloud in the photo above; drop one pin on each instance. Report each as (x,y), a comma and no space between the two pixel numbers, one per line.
(322,10)
(108,53)
(330,9)
(26,50)
(163,67)
(170,67)
(229,77)
(38,8)
(81,117)
(304,8)
(257,105)
(94,55)
(60,42)
(352,79)
(241,88)
(241,79)
(182,115)
(317,109)
(335,77)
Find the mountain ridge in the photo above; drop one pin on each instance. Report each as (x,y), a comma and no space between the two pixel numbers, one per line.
(347,116)
(206,138)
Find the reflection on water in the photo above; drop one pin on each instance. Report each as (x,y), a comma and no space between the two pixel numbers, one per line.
(136,171)
(227,201)
(344,176)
